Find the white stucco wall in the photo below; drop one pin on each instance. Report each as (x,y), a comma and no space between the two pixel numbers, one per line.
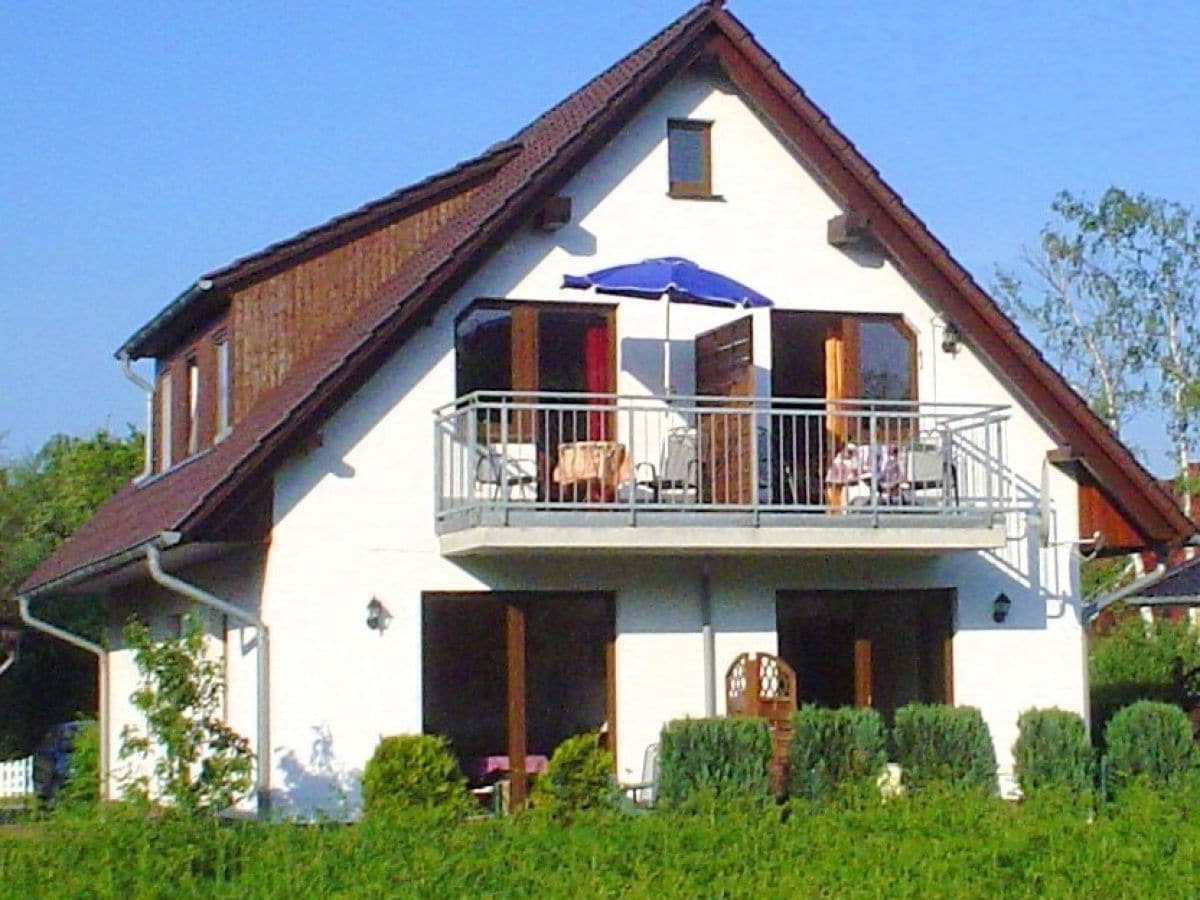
(354,517)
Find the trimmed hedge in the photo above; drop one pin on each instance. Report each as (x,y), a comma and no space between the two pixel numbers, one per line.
(925,845)
(578,777)
(947,745)
(1152,741)
(720,758)
(834,747)
(1053,752)
(409,771)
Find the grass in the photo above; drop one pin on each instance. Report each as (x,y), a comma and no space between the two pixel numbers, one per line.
(936,845)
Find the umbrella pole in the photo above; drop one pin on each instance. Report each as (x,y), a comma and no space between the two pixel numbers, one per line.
(667,347)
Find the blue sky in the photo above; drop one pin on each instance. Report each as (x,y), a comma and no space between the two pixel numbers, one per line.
(145,143)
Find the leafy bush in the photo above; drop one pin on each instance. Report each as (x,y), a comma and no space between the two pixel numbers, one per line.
(1134,663)
(409,771)
(578,777)
(948,745)
(1053,751)
(719,758)
(198,762)
(82,787)
(1152,741)
(834,747)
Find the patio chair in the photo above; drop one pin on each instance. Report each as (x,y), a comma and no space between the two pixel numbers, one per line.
(931,470)
(513,473)
(678,475)
(641,793)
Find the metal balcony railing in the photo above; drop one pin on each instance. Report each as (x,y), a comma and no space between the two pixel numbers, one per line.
(504,453)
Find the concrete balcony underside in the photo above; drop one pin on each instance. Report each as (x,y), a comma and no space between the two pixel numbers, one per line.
(483,532)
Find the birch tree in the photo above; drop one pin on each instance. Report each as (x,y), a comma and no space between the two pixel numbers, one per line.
(1113,292)
(1081,316)
(1154,248)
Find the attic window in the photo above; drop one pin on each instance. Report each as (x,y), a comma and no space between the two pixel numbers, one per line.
(689,154)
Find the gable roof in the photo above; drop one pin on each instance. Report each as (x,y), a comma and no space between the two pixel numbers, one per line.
(538,160)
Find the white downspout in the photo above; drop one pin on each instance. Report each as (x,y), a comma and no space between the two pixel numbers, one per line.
(148,389)
(101,655)
(204,598)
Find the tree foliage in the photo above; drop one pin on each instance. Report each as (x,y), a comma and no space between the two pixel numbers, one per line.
(44,498)
(1113,292)
(1136,662)
(195,760)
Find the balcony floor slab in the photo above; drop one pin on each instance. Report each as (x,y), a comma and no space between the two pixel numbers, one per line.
(731,533)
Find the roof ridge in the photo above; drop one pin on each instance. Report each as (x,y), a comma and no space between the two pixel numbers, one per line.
(707,7)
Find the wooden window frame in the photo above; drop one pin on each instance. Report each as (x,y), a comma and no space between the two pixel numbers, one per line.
(166,436)
(193,379)
(692,190)
(223,381)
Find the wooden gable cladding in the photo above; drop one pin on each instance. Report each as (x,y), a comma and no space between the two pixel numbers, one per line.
(1098,514)
(278,321)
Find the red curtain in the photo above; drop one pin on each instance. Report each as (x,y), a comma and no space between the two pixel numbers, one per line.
(595,376)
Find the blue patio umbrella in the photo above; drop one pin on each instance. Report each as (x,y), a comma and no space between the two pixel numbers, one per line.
(675,280)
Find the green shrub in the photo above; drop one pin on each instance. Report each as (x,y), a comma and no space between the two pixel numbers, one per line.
(413,771)
(82,787)
(948,745)
(1135,663)
(1053,752)
(1152,741)
(834,747)
(720,758)
(578,777)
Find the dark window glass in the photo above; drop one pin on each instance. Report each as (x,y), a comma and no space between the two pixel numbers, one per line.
(886,357)
(483,350)
(688,151)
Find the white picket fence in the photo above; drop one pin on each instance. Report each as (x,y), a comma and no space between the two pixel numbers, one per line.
(16,779)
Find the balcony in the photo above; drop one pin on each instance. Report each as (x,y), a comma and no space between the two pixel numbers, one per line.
(541,473)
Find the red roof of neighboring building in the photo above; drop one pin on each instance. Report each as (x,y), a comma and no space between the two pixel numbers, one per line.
(532,166)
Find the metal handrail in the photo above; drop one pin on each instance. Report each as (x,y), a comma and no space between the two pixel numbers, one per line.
(758,455)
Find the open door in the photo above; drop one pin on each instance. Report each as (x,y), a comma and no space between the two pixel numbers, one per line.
(725,368)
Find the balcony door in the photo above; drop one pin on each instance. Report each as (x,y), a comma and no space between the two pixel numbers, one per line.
(838,363)
(725,369)
(868,648)
(557,353)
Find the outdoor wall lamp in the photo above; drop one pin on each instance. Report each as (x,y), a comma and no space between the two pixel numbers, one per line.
(951,338)
(1000,608)
(378,618)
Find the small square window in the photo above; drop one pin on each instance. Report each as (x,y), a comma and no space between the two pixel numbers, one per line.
(689,154)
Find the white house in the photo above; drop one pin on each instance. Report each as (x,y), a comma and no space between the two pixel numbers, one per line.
(461,498)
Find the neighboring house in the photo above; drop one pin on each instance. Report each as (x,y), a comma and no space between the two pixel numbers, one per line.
(884,483)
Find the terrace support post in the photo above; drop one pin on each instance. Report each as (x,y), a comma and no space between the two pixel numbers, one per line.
(515,652)
(709,642)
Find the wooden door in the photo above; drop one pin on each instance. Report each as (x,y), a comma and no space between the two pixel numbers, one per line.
(725,368)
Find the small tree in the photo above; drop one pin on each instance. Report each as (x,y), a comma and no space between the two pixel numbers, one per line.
(200,764)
